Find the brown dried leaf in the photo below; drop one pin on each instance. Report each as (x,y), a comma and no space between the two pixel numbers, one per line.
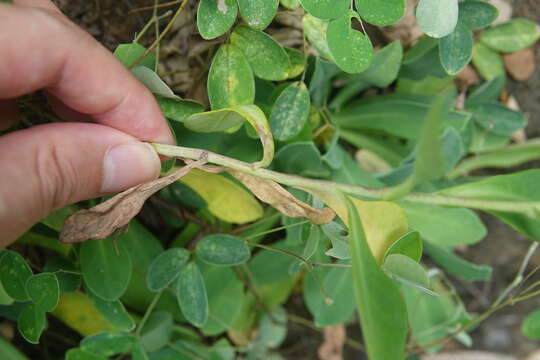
(520,64)
(334,339)
(275,195)
(116,213)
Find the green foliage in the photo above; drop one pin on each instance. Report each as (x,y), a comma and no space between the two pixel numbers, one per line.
(389,139)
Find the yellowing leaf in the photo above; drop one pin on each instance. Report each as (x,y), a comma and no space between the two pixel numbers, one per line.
(226,200)
(384,222)
(77,311)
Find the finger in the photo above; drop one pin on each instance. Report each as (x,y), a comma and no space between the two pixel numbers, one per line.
(76,69)
(49,166)
(44,4)
(8,114)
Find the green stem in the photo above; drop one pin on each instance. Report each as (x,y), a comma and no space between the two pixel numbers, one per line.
(161,36)
(275,230)
(147,313)
(528,208)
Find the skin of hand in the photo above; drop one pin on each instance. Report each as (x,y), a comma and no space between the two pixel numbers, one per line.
(107,115)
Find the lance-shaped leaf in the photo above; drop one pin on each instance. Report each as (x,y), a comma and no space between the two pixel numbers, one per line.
(381,12)
(437,18)
(290,112)
(231,119)
(407,271)
(230,79)
(215,17)
(274,194)
(383,313)
(191,295)
(352,50)
(326,9)
(258,13)
(519,188)
(266,56)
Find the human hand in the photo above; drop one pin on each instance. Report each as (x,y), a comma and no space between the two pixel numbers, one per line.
(49,166)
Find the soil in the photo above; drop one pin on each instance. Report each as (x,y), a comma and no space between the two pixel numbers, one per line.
(111,23)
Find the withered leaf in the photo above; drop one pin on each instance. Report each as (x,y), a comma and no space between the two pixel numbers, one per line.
(275,195)
(116,213)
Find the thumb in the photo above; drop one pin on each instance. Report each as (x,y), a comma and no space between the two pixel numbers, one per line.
(49,166)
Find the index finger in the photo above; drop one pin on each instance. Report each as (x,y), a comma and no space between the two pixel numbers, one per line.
(43,50)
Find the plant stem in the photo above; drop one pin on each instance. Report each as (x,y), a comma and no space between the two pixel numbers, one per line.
(147,313)
(528,208)
(161,36)
(275,230)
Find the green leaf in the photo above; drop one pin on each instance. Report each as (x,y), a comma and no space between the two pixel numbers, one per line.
(489,63)
(457,266)
(113,311)
(455,50)
(258,13)
(488,91)
(498,119)
(484,140)
(266,56)
(301,158)
(66,272)
(165,268)
(31,323)
(352,50)
(338,236)
(477,14)
(290,112)
(298,62)
(383,314)
(55,220)
(326,9)
(512,36)
(214,18)
(398,114)
(108,343)
(381,12)
(422,60)
(273,328)
(315,30)
(291,4)
(177,109)
(230,79)
(79,354)
(127,54)
(231,119)
(509,156)
(156,333)
(445,226)
(320,84)
(222,250)
(14,273)
(106,267)
(138,352)
(152,81)
(437,18)
(385,66)
(518,187)
(310,247)
(191,295)
(9,351)
(225,298)
(404,269)
(531,325)
(44,291)
(409,245)
(337,283)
